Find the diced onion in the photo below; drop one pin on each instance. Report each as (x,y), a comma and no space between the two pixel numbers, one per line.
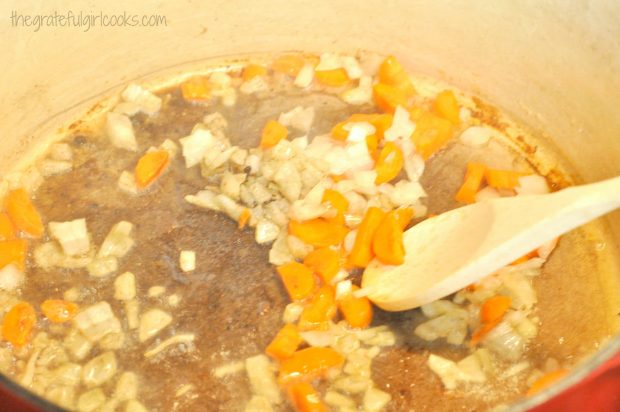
(99,369)
(262,379)
(187,260)
(147,102)
(305,76)
(196,145)
(125,286)
(11,278)
(120,131)
(152,322)
(72,236)
(476,136)
(532,185)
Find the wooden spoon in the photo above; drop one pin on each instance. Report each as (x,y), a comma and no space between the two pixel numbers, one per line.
(457,248)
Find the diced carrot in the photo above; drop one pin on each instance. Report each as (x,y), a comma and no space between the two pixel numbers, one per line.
(336,200)
(389,163)
(491,314)
(332,78)
(298,280)
(356,311)
(338,132)
(494,309)
(13,251)
(289,64)
(305,398)
(285,343)
(318,232)
(58,311)
(253,70)
(404,216)
(23,214)
(362,253)
(502,179)
(446,106)
(372,143)
(18,324)
(244,218)
(387,242)
(392,72)
(150,167)
(547,380)
(338,178)
(525,258)
(387,97)
(7,230)
(324,261)
(431,132)
(381,121)
(481,332)
(319,311)
(471,183)
(196,89)
(308,364)
(273,132)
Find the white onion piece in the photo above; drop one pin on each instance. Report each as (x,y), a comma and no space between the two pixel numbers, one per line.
(196,145)
(329,61)
(96,321)
(401,127)
(305,76)
(343,289)
(505,342)
(125,286)
(532,185)
(299,118)
(519,288)
(152,322)
(318,338)
(146,101)
(91,400)
(406,193)
(361,94)
(266,231)
(11,278)
(375,399)
(262,380)
(119,129)
(72,236)
(99,369)
(118,242)
(476,136)
(254,85)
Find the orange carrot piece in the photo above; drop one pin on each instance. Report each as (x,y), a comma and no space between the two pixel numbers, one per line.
(404,216)
(525,258)
(491,314)
(332,78)
(547,380)
(362,252)
(272,133)
(285,343)
(253,70)
(494,309)
(305,398)
(388,97)
(392,72)
(244,218)
(318,232)
(319,311)
(446,106)
(387,242)
(336,200)
(372,143)
(289,64)
(7,230)
(13,251)
(502,179)
(431,132)
(471,183)
(58,311)
(196,89)
(23,214)
(308,364)
(150,167)
(389,163)
(18,324)
(324,261)
(338,132)
(356,311)
(298,280)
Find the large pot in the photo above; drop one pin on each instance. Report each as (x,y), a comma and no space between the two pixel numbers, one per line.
(552,65)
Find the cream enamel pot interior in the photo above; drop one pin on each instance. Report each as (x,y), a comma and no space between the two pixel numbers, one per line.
(552,65)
